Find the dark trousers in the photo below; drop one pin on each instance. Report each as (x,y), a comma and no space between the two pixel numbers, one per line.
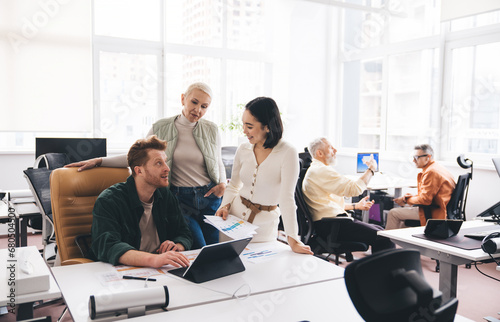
(195,206)
(358,231)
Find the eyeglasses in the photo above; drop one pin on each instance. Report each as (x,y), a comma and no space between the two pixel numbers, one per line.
(416,157)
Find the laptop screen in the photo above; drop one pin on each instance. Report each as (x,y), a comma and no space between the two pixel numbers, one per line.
(360,165)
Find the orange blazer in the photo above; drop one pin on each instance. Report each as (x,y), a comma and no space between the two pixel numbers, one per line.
(435,186)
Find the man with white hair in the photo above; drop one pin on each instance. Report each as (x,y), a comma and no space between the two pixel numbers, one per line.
(435,186)
(324,191)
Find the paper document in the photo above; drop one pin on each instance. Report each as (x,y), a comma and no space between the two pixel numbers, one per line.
(233,227)
(258,254)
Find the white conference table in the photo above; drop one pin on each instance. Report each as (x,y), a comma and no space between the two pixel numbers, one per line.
(323,301)
(283,271)
(449,256)
(24,303)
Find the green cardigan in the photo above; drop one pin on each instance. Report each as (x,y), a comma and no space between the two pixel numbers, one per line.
(116,215)
(205,135)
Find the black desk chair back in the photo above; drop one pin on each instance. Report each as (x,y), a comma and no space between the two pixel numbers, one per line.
(228,153)
(38,179)
(456,206)
(326,240)
(304,217)
(390,286)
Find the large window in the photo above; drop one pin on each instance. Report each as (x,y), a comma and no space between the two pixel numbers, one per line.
(473,113)
(410,79)
(141,74)
(128,64)
(45,71)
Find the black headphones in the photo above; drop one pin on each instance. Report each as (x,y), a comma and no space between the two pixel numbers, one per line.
(489,245)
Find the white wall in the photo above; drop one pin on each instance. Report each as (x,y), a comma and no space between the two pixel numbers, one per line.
(11,171)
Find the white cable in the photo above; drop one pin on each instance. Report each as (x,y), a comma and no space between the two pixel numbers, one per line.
(245,296)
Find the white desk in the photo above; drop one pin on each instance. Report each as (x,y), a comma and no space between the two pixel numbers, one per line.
(22,213)
(323,301)
(286,270)
(450,257)
(384,182)
(24,303)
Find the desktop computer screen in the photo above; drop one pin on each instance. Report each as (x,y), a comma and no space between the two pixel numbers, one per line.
(496,162)
(361,166)
(77,149)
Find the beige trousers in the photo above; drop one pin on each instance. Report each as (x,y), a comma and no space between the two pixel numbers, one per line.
(397,216)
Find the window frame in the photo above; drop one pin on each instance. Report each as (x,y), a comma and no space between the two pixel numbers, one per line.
(444,43)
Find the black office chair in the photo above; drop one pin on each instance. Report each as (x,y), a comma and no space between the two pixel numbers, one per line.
(39,184)
(326,240)
(390,286)
(228,153)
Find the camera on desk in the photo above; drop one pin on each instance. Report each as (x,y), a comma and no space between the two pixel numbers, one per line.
(491,243)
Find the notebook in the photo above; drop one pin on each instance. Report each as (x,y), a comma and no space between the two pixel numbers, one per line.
(215,261)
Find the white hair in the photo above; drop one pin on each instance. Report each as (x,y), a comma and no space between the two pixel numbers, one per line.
(201,86)
(315,145)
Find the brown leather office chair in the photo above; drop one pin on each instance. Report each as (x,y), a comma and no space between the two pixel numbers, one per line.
(73,195)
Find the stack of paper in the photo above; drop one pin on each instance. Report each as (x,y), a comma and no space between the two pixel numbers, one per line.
(233,227)
(33,274)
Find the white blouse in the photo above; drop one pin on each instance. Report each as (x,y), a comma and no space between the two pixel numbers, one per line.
(270,183)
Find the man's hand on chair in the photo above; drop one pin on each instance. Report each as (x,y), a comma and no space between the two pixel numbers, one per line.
(84,165)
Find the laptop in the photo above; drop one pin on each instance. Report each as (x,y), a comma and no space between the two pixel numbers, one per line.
(442,228)
(360,165)
(215,261)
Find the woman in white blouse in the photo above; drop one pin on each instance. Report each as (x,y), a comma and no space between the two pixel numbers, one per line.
(265,172)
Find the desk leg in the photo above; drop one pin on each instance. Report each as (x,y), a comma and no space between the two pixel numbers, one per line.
(365,214)
(398,192)
(24,311)
(448,278)
(24,232)
(18,232)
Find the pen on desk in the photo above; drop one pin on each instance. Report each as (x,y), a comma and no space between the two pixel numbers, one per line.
(128,277)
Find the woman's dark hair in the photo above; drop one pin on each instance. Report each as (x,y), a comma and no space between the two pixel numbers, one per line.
(265,110)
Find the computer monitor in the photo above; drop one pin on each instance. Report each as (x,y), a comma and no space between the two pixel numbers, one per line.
(496,162)
(77,149)
(361,166)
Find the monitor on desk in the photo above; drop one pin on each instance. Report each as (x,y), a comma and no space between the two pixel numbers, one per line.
(496,162)
(77,149)
(361,166)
